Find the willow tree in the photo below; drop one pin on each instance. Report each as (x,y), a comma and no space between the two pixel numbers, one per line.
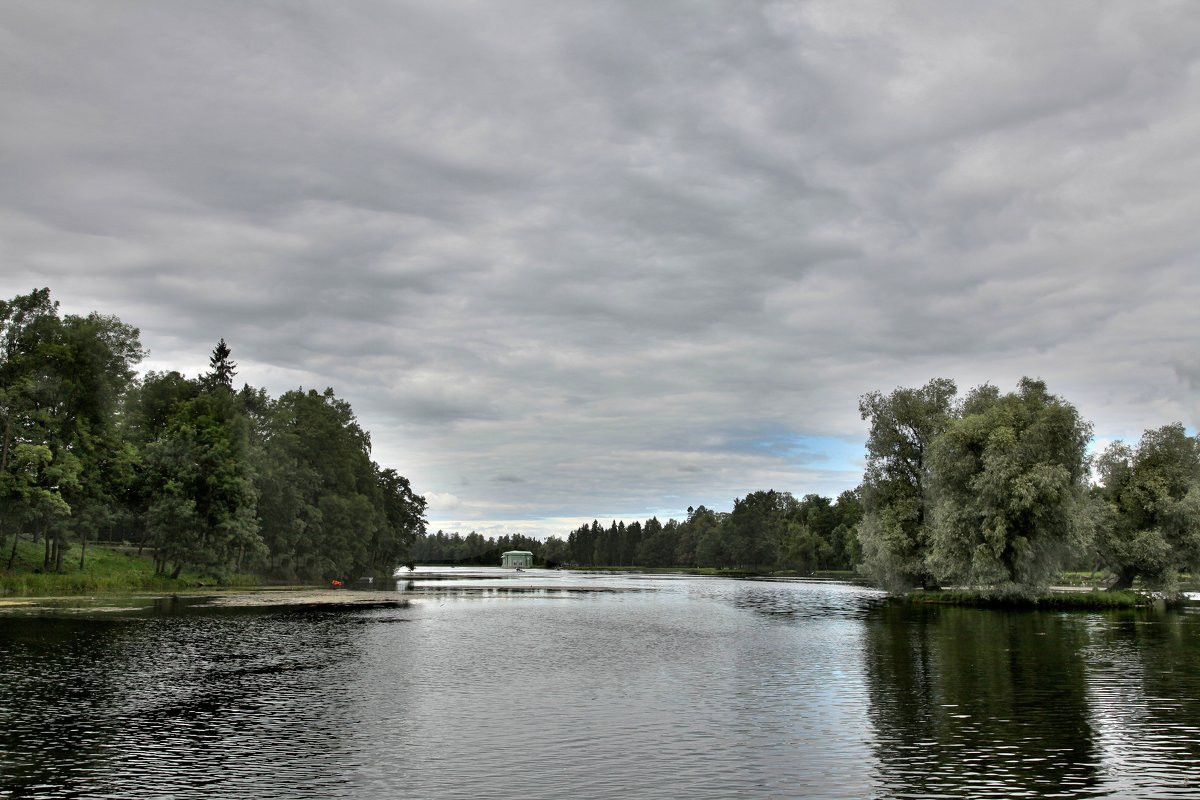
(895,531)
(1009,481)
(1150,527)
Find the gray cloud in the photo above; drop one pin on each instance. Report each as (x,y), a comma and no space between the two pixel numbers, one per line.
(586,260)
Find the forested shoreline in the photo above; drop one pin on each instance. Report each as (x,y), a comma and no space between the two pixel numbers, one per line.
(989,491)
(992,491)
(779,531)
(198,474)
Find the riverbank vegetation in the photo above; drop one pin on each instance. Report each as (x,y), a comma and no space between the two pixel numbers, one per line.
(108,569)
(994,494)
(998,493)
(1046,601)
(203,478)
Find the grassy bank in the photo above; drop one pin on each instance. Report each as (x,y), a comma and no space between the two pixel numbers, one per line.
(1050,601)
(107,569)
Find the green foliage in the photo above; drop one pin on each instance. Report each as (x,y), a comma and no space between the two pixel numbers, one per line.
(327,509)
(1008,477)
(986,492)
(896,532)
(1148,507)
(221,370)
(474,549)
(757,525)
(766,531)
(108,570)
(202,476)
(61,381)
(202,510)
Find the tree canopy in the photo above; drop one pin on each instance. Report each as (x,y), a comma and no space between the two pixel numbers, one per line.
(989,491)
(1008,476)
(896,529)
(201,475)
(1149,519)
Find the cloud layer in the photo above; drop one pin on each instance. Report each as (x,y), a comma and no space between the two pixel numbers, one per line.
(614,259)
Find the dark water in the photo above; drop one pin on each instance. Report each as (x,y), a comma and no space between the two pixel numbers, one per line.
(562,685)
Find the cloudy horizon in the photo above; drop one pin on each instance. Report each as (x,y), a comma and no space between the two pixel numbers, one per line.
(611,260)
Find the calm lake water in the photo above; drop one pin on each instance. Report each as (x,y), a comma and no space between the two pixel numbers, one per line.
(556,685)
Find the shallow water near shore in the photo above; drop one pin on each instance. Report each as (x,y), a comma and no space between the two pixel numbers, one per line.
(496,684)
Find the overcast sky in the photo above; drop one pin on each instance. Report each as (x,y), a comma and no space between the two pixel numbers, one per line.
(576,260)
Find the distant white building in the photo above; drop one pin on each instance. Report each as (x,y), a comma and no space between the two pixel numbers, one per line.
(516,558)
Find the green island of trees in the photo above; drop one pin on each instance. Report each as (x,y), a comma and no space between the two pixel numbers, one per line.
(188,480)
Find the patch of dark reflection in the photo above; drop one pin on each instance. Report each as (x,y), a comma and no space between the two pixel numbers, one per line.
(1145,697)
(790,600)
(158,706)
(124,606)
(980,703)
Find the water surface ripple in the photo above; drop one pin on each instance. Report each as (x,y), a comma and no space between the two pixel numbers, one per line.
(558,685)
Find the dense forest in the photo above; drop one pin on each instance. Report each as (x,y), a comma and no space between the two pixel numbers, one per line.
(198,473)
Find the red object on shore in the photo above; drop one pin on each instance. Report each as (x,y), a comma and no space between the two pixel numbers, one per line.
(335,584)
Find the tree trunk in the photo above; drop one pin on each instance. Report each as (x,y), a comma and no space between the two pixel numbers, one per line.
(82,551)
(12,557)
(58,554)
(46,557)
(178,569)
(1124,580)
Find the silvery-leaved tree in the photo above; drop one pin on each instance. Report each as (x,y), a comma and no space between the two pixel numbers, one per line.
(1009,481)
(895,530)
(1150,514)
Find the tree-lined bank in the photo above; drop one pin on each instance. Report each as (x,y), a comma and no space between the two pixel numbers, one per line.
(991,491)
(204,477)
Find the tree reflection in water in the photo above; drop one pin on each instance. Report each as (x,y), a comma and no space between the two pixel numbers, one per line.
(977,703)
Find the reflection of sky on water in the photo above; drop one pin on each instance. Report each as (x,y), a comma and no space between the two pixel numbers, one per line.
(554,684)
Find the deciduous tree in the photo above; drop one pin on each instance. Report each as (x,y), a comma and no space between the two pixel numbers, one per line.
(1009,477)
(895,532)
(1150,526)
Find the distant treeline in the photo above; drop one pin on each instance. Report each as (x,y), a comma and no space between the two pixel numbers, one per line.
(766,530)
(473,549)
(199,474)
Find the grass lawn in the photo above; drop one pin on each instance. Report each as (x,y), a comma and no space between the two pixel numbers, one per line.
(107,568)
